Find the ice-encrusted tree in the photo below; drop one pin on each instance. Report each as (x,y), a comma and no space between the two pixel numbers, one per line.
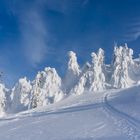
(98,78)
(122,62)
(46,88)
(73,66)
(92,77)
(4,99)
(83,81)
(73,72)
(20,96)
(79,88)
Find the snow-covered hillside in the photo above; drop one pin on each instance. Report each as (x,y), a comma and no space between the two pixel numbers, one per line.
(48,87)
(112,115)
(93,102)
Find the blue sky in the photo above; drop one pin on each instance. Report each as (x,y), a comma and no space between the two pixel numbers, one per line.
(38,33)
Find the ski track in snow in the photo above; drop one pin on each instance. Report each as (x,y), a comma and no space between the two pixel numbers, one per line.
(129,125)
(125,123)
(58,111)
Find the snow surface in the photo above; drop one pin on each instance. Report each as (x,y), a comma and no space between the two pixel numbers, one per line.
(112,115)
(95,102)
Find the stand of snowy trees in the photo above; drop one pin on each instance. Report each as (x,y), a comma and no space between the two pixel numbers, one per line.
(48,87)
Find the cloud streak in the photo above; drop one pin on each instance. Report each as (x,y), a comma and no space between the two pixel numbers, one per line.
(33,30)
(65,6)
(34,37)
(133,30)
(34,33)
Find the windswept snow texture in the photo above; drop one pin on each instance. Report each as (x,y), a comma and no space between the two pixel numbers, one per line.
(98,116)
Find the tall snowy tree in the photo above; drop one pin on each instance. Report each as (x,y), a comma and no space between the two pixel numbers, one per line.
(72,73)
(21,95)
(98,78)
(46,88)
(121,64)
(92,77)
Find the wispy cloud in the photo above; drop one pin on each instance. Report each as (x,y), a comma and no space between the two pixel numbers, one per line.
(34,37)
(65,6)
(33,30)
(132,30)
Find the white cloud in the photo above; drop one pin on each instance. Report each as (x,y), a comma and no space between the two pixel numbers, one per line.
(133,30)
(34,37)
(32,25)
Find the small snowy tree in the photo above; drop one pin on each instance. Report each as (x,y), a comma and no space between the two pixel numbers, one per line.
(4,99)
(83,81)
(37,86)
(73,66)
(21,95)
(79,88)
(73,72)
(46,88)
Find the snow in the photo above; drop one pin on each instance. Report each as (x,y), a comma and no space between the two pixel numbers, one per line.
(122,63)
(73,72)
(4,100)
(79,117)
(20,101)
(98,77)
(46,88)
(92,76)
(94,102)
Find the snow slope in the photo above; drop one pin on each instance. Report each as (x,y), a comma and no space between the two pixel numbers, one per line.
(48,87)
(95,102)
(111,115)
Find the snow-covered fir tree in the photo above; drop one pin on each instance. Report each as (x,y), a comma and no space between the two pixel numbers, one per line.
(84,80)
(73,72)
(92,77)
(73,66)
(79,88)
(4,99)
(46,88)
(98,78)
(122,62)
(21,95)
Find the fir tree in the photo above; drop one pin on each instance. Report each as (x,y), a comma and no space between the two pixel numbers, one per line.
(21,95)
(46,88)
